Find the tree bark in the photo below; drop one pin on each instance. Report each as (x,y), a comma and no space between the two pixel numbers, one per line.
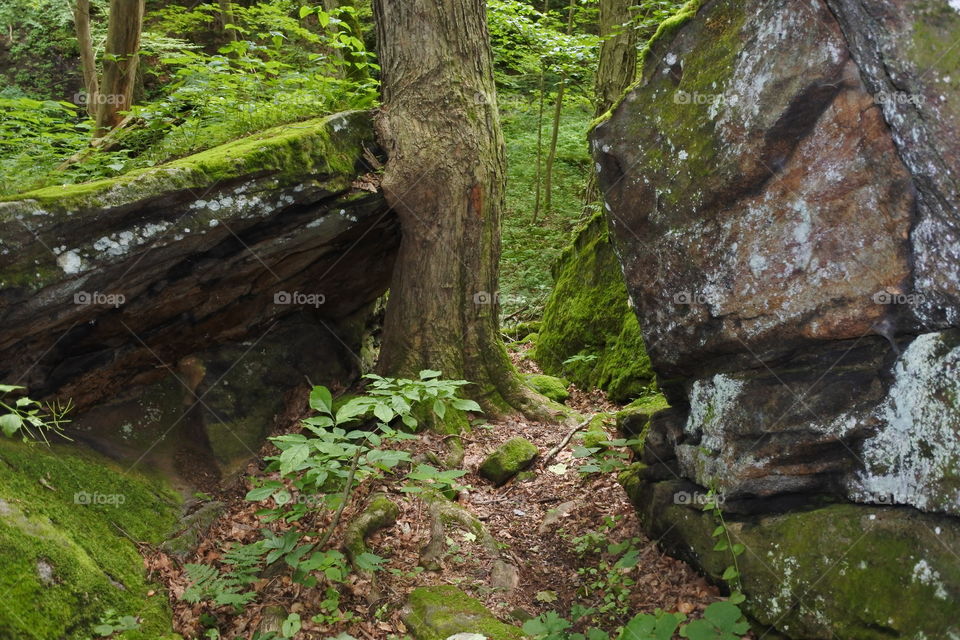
(88,63)
(445,179)
(120,63)
(226,18)
(617,67)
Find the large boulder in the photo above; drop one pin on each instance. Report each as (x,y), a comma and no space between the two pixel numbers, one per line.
(774,235)
(782,190)
(226,278)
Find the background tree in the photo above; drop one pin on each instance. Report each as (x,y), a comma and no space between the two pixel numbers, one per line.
(88,62)
(445,179)
(617,67)
(119,63)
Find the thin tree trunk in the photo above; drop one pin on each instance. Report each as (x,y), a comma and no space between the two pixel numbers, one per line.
(557,112)
(542,87)
(88,63)
(120,63)
(617,67)
(445,178)
(353,28)
(552,153)
(226,17)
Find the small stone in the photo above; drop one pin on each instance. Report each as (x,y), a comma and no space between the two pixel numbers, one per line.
(508,460)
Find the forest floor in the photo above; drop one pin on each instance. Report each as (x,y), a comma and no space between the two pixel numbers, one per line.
(541,520)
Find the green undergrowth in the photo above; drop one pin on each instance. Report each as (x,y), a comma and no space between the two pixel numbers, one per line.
(530,249)
(69,519)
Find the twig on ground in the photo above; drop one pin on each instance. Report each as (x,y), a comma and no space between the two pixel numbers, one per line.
(566,439)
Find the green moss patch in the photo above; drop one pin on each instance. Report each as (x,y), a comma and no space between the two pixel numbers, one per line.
(588,318)
(436,613)
(549,386)
(65,518)
(508,460)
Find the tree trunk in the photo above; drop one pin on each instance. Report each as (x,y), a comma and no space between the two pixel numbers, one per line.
(120,63)
(557,113)
(81,21)
(445,179)
(617,67)
(226,18)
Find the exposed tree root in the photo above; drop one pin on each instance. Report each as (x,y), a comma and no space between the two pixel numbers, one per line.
(380,513)
(444,513)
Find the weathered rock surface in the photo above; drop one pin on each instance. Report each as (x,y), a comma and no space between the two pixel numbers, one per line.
(849,572)
(509,459)
(68,519)
(782,190)
(237,273)
(771,213)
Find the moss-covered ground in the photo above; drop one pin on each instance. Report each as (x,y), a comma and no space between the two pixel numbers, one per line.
(67,531)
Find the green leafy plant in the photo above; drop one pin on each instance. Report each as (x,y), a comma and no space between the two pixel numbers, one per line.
(29,418)
(111,623)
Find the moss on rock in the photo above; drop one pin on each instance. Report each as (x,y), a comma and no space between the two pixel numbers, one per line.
(549,386)
(508,460)
(436,613)
(64,547)
(596,435)
(838,571)
(588,315)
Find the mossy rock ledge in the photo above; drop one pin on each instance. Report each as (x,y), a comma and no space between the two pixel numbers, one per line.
(218,276)
(209,248)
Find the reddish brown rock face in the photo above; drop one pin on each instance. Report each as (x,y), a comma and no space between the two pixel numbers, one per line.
(782,189)
(786,213)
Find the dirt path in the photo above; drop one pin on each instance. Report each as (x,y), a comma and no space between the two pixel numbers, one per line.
(539,520)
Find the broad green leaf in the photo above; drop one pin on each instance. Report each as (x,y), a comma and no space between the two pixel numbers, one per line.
(428,374)
(383,413)
(320,398)
(439,408)
(466,405)
(731,574)
(10,424)
(368,561)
